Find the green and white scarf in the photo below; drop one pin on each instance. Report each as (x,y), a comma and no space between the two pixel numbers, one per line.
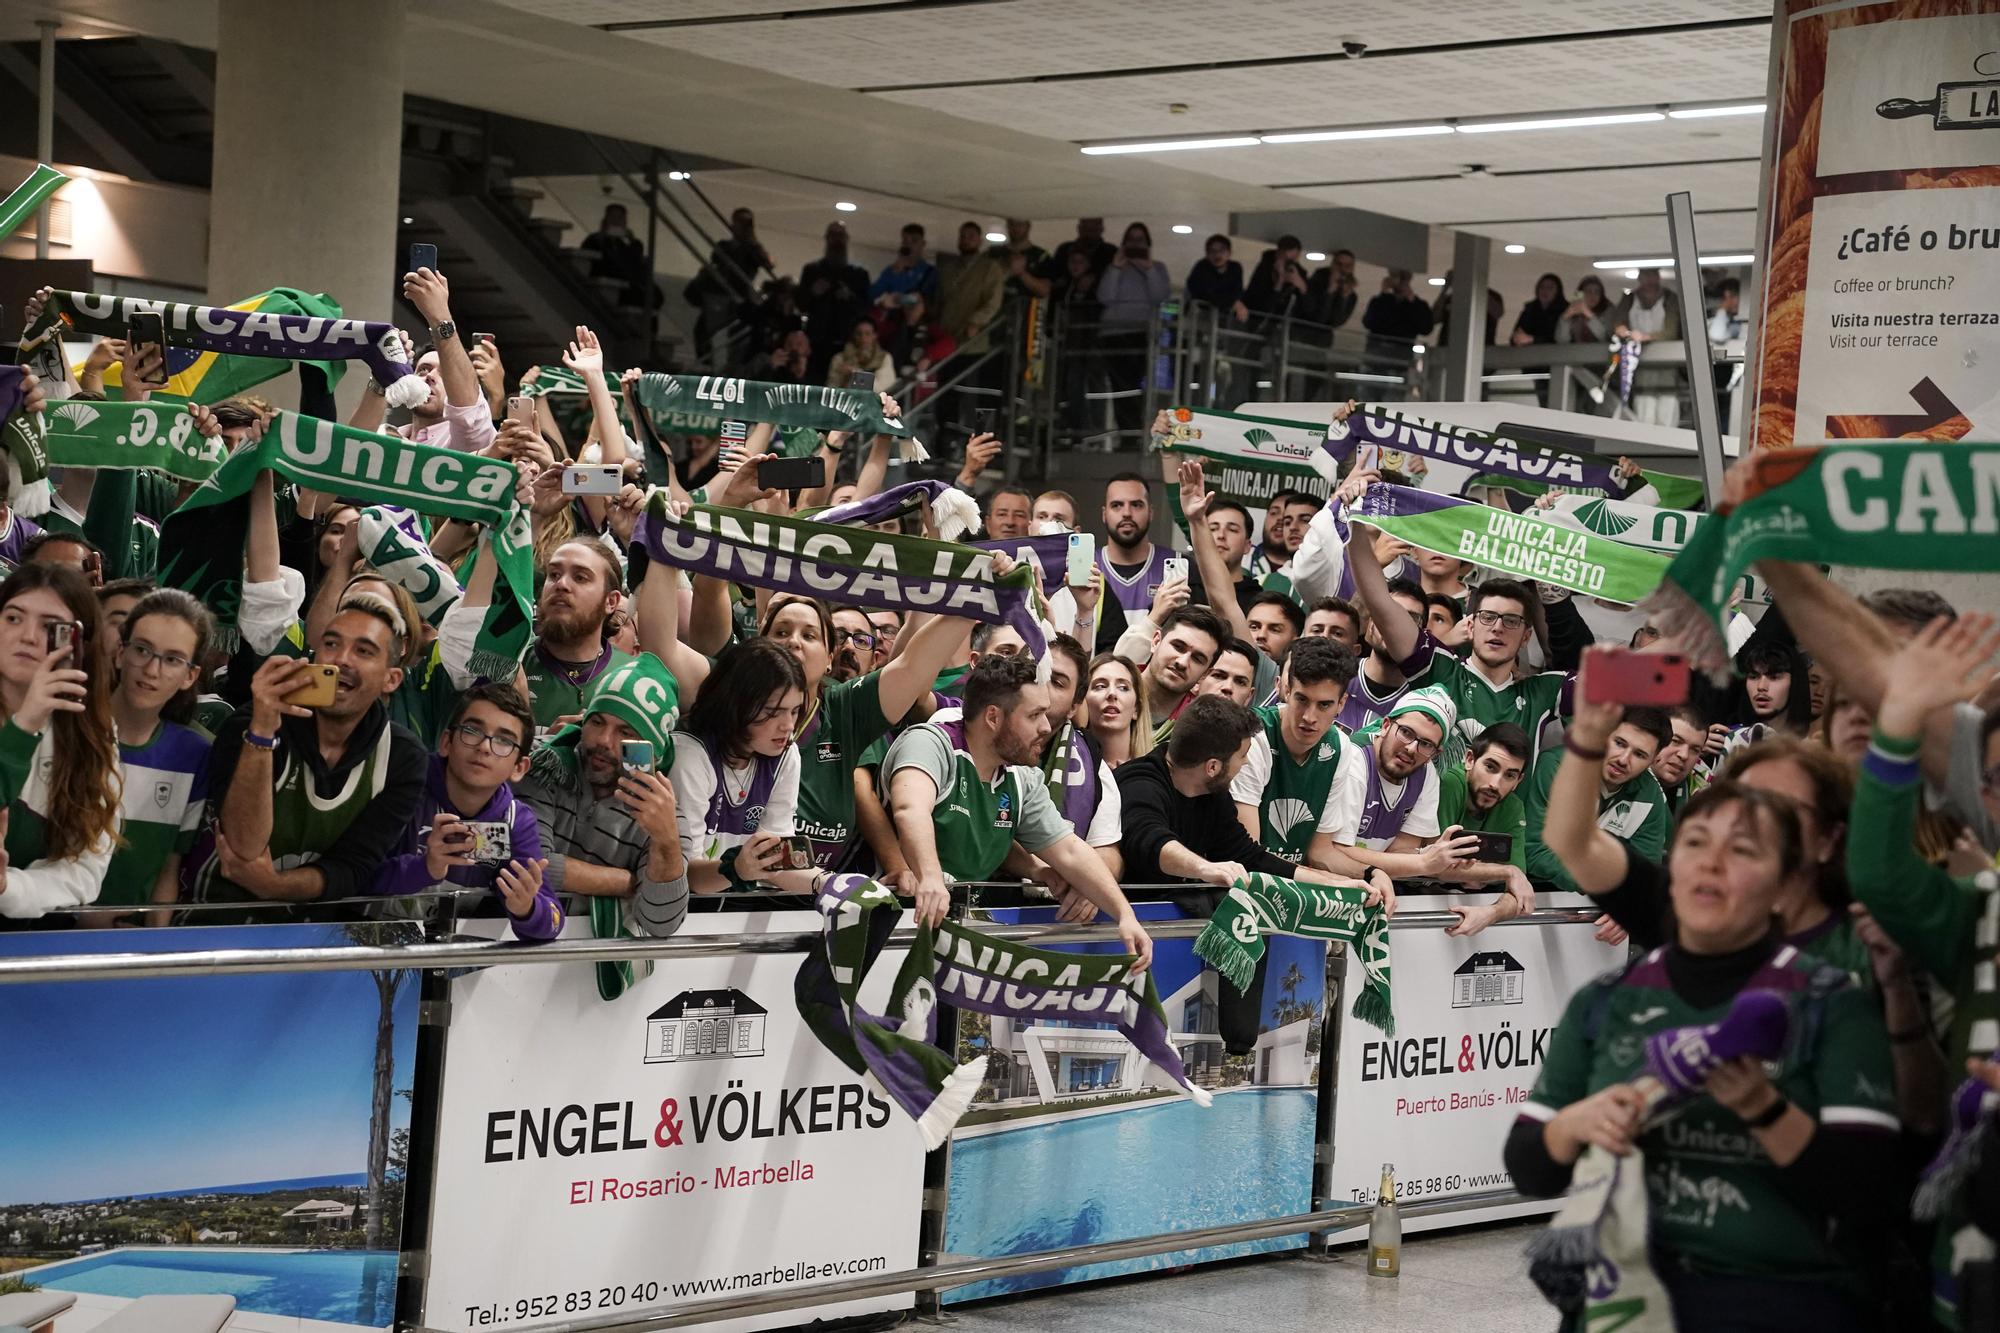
(393,544)
(813,405)
(201,543)
(1248,459)
(1519,545)
(1591,1259)
(15,209)
(1674,492)
(1258,905)
(160,436)
(1880,506)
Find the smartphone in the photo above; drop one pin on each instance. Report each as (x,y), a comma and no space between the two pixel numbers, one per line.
(985,420)
(593,479)
(798,853)
(1615,675)
(1082,559)
(482,338)
(636,756)
(1494,848)
(792,474)
(521,408)
(423,256)
(1175,568)
(147,334)
(318,690)
(492,841)
(861,379)
(61,633)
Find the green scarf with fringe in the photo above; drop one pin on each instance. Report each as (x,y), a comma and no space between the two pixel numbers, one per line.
(1258,905)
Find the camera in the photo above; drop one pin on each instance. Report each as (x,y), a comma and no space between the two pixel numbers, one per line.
(1353,47)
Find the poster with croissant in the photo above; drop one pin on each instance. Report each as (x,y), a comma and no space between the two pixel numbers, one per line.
(1881,312)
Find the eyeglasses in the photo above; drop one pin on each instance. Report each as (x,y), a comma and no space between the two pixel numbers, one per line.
(501,746)
(855,637)
(141,655)
(1408,737)
(1491,618)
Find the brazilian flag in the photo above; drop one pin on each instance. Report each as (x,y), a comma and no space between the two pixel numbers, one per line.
(196,376)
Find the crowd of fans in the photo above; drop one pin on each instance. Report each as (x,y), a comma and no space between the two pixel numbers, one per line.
(1200,715)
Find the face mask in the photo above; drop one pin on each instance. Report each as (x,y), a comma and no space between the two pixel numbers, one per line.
(1048,527)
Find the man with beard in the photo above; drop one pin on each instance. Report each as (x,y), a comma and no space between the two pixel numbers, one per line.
(456,415)
(854,644)
(1481,797)
(1133,567)
(965,793)
(1395,826)
(1678,764)
(609,832)
(1190,641)
(1631,806)
(582,584)
(314,799)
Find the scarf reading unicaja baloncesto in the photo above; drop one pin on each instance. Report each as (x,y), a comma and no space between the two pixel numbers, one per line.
(969,970)
(258,333)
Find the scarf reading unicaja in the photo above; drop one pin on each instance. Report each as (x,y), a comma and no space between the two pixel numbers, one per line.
(842,565)
(969,970)
(256,333)
(1880,506)
(1259,905)
(201,543)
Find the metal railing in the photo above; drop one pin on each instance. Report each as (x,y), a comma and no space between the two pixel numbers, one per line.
(967,1271)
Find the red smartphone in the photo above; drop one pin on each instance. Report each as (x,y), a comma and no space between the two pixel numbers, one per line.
(1615,675)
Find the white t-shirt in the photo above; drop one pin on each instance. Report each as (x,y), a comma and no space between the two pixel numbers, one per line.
(696,778)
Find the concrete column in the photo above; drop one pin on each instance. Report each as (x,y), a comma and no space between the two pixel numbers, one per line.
(308,152)
(1465,359)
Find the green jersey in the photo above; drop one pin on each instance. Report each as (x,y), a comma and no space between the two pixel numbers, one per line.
(1635,814)
(844,723)
(1298,799)
(1510,816)
(558,689)
(1527,703)
(166,794)
(1717,1204)
(976,821)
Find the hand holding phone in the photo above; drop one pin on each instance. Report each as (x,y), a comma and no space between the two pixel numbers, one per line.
(1175,568)
(318,691)
(423,255)
(1082,559)
(146,348)
(636,756)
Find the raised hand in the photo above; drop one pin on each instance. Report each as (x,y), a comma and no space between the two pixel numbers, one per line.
(1195,494)
(584,356)
(1943,665)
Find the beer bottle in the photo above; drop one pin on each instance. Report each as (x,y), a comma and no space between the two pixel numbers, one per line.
(1385,1229)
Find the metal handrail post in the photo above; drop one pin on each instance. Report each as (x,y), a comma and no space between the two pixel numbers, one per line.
(1010,397)
(1282,384)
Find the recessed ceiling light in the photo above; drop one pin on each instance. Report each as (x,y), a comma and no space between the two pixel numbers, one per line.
(677,175)
(409,222)
(1435,282)
(1562,122)
(1369,132)
(1517,249)
(1182,229)
(1170,145)
(843,206)
(1705,112)
(1720,260)
(1418,348)
(997,237)
(1632,274)
(1631,263)
(1316,256)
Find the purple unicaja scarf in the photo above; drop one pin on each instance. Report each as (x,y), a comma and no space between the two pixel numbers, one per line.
(969,970)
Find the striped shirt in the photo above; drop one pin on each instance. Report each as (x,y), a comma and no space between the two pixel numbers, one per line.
(575,821)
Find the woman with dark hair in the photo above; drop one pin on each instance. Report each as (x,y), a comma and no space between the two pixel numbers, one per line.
(58,750)
(1587,319)
(1776,696)
(1741,1238)
(736,769)
(1541,318)
(159,657)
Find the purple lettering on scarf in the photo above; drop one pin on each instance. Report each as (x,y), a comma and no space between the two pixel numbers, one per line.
(1481,451)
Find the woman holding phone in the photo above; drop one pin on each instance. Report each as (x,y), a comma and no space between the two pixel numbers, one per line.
(736,768)
(57,745)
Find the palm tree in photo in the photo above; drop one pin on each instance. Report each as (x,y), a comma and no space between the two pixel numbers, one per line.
(1290,982)
(388,984)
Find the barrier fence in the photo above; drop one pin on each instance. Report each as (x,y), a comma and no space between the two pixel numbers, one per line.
(735,1142)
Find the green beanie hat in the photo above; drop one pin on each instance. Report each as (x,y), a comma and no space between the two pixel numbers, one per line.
(641,693)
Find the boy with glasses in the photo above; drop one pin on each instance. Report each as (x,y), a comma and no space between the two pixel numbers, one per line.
(484,749)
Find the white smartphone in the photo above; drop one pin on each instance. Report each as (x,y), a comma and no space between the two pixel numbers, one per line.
(1082,559)
(593,479)
(1175,568)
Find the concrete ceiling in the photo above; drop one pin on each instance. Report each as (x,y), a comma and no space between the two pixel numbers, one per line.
(980,105)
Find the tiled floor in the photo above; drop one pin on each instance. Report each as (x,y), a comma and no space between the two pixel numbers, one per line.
(1450,1281)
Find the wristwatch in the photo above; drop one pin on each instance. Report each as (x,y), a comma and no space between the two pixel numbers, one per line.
(444,331)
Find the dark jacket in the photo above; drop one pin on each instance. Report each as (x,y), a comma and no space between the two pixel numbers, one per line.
(1155,814)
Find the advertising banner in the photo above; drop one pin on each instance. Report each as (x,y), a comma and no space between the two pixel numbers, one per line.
(243,1138)
(1881,310)
(1071,1140)
(1473,1020)
(688,1140)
